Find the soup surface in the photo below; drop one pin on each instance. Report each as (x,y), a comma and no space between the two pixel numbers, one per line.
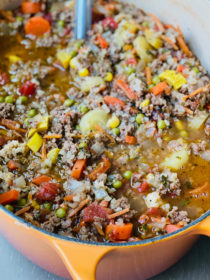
(106,138)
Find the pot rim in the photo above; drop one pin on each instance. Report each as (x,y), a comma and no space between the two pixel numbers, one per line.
(111,244)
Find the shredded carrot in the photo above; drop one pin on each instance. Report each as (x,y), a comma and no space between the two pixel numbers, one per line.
(157,21)
(114,101)
(44,151)
(126,89)
(76,210)
(159,88)
(78,168)
(130,139)
(105,133)
(200,190)
(183,45)
(52,136)
(102,42)
(13,125)
(170,228)
(103,167)
(119,213)
(148,75)
(179,30)
(30,7)
(69,198)
(9,196)
(6,15)
(41,179)
(23,210)
(30,196)
(168,26)
(37,26)
(170,42)
(104,203)
(196,92)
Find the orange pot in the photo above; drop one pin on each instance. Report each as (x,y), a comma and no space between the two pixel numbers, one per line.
(79,260)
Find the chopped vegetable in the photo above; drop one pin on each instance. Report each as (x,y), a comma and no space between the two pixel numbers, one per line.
(170,42)
(157,21)
(78,168)
(125,88)
(176,160)
(140,118)
(84,72)
(92,82)
(196,92)
(127,174)
(53,155)
(119,213)
(61,213)
(37,26)
(159,88)
(197,122)
(173,79)
(145,103)
(94,210)
(130,139)
(142,49)
(114,122)
(64,57)
(48,191)
(30,7)
(119,232)
(13,165)
(114,101)
(109,77)
(110,23)
(102,42)
(35,142)
(172,228)
(9,197)
(161,124)
(28,88)
(41,179)
(43,125)
(153,39)
(183,45)
(117,184)
(103,167)
(148,75)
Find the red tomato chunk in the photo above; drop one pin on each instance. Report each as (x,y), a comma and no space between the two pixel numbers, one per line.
(48,191)
(110,22)
(28,88)
(94,210)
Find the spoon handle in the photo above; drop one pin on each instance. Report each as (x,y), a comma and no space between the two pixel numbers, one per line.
(83,18)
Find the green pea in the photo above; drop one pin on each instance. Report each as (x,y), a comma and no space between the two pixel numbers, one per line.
(26,121)
(150,87)
(77,45)
(22,100)
(61,213)
(196,70)
(129,70)
(32,113)
(69,102)
(161,124)
(60,23)
(1,99)
(21,202)
(117,184)
(83,145)
(155,80)
(127,174)
(183,133)
(139,118)
(145,24)
(83,109)
(47,205)
(9,207)
(19,18)
(116,131)
(9,99)
(73,53)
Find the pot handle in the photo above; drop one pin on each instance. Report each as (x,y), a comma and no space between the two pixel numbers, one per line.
(80,259)
(204,227)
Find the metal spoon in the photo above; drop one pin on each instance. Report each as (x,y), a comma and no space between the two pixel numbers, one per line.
(83,11)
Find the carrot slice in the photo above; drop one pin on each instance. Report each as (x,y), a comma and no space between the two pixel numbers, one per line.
(159,88)
(102,42)
(114,101)
(103,167)
(9,197)
(126,89)
(119,213)
(41,179)
(130,139)
(170,42)
(171,228)
(37,26)
(148,75)
(196,92)
(119,232)
(183,45)
(157,21)
(13,165)
(30,7)
(180,68)
(68,198)
(78,168)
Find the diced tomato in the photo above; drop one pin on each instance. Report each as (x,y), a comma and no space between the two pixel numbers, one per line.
(110,22)
(143,219)
(28,88)
(13,165)
(3,79)
(143,187)
(180,68)
(154,211)
(94,210)
(171,228)
(48,191)
(131,60)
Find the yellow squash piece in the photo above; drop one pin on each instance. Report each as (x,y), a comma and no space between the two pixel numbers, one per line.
(173,79)
(44,124)
(197,122)
(53,155)
(142,48)
(153,39)
(176,160)
(91,82)
(64,58)
(31,132)
(35,142)
(14,58)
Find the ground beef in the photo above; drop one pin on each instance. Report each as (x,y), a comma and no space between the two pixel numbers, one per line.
(52,223)
(177,216)
(198,147)
(6,110)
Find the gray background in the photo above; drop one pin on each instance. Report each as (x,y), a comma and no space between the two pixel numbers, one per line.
(194,266)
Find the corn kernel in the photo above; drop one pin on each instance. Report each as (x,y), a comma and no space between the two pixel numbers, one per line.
(109,77)
(35,205)
(14,58)
(53,155)
(114,122)
(35,142)
(179,125)
(84,72)
(145,103)
(183,133)
(128,47)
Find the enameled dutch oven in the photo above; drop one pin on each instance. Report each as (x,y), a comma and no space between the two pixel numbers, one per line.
(79,260)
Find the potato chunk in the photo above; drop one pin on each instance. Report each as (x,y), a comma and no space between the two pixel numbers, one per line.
(176,160)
